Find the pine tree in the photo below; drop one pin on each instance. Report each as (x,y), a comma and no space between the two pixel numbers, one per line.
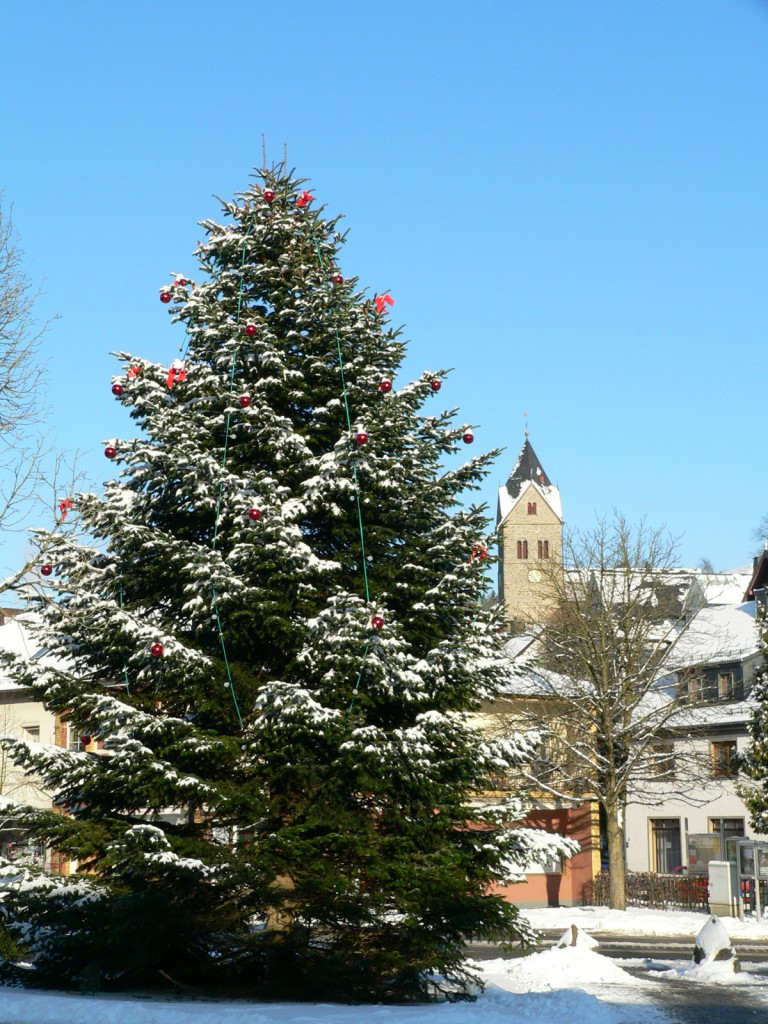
(753,763)
(269,627)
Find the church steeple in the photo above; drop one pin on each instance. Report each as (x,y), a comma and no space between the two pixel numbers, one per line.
(530,522)
(526,468)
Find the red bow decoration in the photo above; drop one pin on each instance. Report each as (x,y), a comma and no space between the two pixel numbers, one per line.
(64,507)
(305,198)
(478,551)
(380,301)
(177,373)
(134,371)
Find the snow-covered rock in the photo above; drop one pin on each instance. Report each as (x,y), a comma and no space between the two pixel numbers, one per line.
(713,944)
(575,936)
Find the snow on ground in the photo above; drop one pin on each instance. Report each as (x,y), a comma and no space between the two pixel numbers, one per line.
(558,986)
(638,921)
(574,985)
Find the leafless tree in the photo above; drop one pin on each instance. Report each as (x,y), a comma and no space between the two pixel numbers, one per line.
(29,469)
(600,691)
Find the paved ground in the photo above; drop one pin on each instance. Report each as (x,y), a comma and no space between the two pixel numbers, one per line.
(689,1002)
(684,1002)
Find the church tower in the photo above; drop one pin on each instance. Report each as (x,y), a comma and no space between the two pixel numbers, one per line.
(530,525)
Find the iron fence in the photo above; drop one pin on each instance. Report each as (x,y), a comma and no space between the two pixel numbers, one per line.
(658,892)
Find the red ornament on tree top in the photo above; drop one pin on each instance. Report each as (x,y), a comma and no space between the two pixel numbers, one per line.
(377,621)
(305,198)
(250,329)
(385,386)
(436,385)
(110,451)
(46,570)
(337,278)
(269,195)
(254,514)
(157,650)
(244,401)
(468,437)
(117,389)
(165,295)
(362,437)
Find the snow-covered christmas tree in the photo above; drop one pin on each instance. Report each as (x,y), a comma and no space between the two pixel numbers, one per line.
(271,636)
(753,763)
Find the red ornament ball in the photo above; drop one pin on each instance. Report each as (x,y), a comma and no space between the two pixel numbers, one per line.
(244,401)
(250,330)
(254,514)
(436,385)
(377,621)
(46,570)
(269,195)
(362,437)
(468,438)
(117,389)
(85,740)
(157,650)
(165,296)
(385,386)
(110,451)
(337,279)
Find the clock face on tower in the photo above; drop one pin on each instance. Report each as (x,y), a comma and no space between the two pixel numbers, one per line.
(534,575)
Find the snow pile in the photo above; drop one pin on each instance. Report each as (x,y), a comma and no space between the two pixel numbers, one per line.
(559,968)
(712,972)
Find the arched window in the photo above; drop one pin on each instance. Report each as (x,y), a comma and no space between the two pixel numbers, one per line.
(543,549)
(522,549)
(531,508)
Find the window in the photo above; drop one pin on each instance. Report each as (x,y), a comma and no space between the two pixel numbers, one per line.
(531,508)
(665,845)
(723,759)
(725,685)
(522,549)
(727,828)
(661,761)
(693,688)
(543,549)
(76,740)
(31,732)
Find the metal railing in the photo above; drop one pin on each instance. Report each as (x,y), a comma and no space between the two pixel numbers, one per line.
(647,889)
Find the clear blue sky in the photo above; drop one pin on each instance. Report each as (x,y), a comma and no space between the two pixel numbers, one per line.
(568,200)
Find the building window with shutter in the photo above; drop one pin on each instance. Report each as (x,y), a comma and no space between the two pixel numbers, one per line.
(723,754)
(725,685)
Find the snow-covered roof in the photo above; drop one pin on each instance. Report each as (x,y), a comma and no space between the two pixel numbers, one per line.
(548,492)
(716,634)
(718,588)
(16,639)
(715,714)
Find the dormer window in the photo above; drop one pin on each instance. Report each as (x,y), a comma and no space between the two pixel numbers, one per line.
(725,685)
(531,508)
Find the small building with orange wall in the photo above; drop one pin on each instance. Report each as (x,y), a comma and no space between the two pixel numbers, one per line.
(556,884)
